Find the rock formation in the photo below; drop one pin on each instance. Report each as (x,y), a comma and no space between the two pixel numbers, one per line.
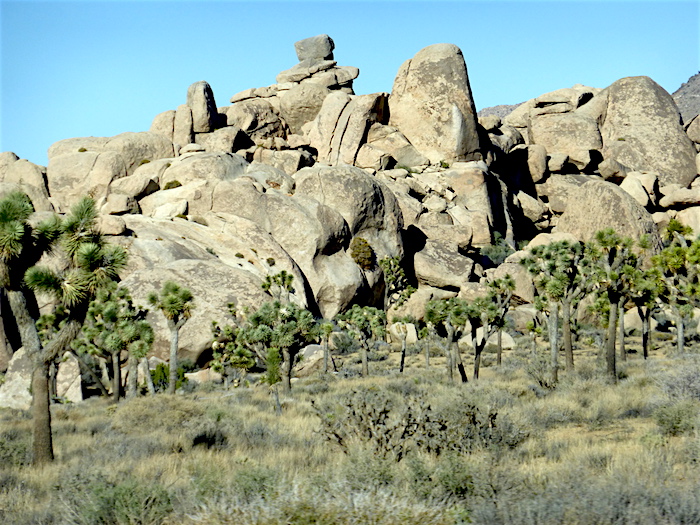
(289,175)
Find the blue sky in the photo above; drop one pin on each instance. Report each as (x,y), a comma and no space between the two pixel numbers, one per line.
(99,68)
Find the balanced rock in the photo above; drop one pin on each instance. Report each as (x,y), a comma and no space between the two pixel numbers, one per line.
(316,47)
(431,104)
(200,99)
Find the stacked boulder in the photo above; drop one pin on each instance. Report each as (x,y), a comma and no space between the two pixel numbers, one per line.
(289,176)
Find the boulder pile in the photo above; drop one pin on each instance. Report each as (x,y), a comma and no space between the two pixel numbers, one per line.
(288,175)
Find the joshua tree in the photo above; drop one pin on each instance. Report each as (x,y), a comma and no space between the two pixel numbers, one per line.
(325,328)
(488,313)
(365,323)
(677,267)
(451,314)
(176,303)
(560,271)
(397,288)
(279,286)
(90,265)
(645,288)
(613,263)
(114,326)
(286,328)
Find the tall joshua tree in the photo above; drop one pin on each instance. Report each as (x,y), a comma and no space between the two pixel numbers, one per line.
(89,265)
(176,303)
(614,263)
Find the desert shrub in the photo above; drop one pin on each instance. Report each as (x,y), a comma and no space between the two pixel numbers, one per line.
(678,418)
(362,253)
(683,382)
(344,343)
(15,448)
(391,427)
(172,185)
(164,413)
(128,502)
(144,161)
(253,482)
(498,251)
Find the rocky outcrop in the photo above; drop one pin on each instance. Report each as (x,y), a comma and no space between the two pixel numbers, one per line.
(291,175)
(431,104)
(641,130)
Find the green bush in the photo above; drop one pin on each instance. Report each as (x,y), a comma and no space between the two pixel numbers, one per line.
(679,418)
(15,448)
(129,502)
(362,253)
(172,184)
(161,376)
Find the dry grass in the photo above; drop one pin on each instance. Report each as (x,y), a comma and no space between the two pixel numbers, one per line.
(589,452)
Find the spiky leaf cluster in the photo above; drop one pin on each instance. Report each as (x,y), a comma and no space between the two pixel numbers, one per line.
(91,264)
(398,289)
(174,301)
(21,244)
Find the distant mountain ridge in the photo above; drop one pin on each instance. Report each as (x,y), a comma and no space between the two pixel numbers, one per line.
(687,98)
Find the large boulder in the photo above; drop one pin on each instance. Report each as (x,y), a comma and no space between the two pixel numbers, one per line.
(431,104)
(600,205)
(367,205)
(221,263)
(204,166)
(257,117)
(340,128)
(642,131)
(318,47)
(200,99)
(301,104)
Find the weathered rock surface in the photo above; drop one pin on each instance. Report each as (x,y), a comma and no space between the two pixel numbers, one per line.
(431,104)
(642,131)
(603,205)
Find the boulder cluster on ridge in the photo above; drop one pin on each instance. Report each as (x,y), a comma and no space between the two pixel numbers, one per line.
(287,175)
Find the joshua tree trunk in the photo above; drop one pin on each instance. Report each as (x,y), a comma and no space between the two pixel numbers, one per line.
(42,447)
(286,370)
(621,329)
(458,361)
(365,361)
(566,334)
(147,374)
(680,333)
(610,342)
(478,348)
(325,354)
(426,352)
(449,352)
(133,372)
(174,343)
(499,347)
(403,349)
(116,377)
(645,331)
(554,340)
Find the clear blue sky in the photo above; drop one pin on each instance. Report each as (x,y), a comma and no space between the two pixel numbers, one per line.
(99,68)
